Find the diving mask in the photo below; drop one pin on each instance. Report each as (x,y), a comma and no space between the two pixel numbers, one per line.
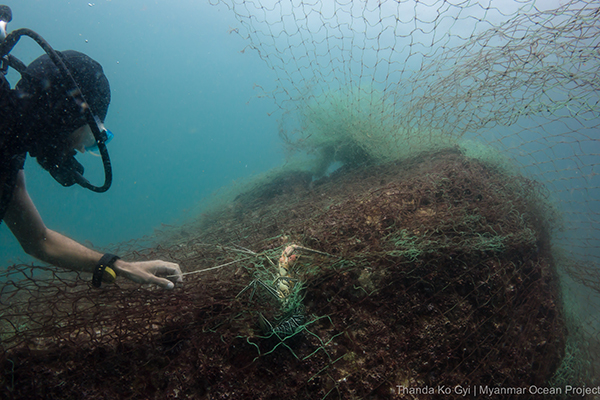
(84,139)
(94,147)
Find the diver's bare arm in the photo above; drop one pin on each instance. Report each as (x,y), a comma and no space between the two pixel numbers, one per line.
(25,222)
(27,225)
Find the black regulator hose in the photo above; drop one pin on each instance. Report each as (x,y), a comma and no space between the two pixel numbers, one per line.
(9,43)
(101,142)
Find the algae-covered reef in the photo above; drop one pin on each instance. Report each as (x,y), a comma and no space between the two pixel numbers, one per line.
(434,271)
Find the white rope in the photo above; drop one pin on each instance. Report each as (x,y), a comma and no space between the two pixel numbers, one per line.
(211,268)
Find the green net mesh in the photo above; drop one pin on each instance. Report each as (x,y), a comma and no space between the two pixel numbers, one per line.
(456,245)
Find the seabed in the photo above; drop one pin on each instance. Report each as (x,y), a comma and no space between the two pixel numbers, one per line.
(434,271)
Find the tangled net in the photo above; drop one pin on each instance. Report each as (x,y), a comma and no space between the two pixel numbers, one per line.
(435,262)
(433,271)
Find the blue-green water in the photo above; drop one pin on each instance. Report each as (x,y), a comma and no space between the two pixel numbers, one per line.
(189,118)
(186,117)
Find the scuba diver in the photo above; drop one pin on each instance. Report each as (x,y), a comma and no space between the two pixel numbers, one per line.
(58,107)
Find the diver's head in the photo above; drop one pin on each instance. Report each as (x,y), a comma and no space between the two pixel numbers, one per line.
(52,114)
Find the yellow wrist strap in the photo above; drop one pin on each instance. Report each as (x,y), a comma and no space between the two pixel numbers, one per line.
(104,272)
(109,275)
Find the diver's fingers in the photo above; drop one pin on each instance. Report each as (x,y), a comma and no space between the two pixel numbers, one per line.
(162,282)
(162,273)
(170,270)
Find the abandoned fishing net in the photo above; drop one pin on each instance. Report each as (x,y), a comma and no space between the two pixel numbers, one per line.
(436,235)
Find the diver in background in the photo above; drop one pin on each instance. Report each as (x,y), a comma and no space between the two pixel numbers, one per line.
(41,117)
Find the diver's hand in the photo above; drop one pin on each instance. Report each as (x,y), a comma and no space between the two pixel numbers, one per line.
(162,273)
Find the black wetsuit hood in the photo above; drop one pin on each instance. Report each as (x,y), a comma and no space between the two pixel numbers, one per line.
(49,110)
